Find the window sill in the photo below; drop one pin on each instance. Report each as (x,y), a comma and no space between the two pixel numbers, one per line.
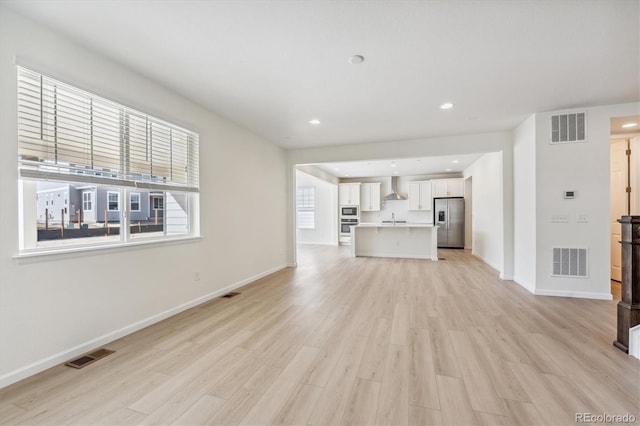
(34,255)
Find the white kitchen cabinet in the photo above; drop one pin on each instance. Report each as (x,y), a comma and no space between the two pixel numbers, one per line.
(448,188)
(370,197)
(349,194)
(420,196)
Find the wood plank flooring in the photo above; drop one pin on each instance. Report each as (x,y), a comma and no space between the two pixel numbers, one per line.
(363,341)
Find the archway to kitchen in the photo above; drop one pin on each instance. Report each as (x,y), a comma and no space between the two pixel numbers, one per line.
(376,191)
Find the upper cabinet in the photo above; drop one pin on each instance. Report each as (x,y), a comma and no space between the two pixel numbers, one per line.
(448,188)
(349,194)
(420,195)
(370,197)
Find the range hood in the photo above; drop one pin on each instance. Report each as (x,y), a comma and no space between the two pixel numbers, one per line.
(394,191)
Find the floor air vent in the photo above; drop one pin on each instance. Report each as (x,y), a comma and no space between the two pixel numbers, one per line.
(232,294)
(87,359)
(568,128)
(570,262)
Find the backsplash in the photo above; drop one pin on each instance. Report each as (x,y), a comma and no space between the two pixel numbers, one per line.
(398,207)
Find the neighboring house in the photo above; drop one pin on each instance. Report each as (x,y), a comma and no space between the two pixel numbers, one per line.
(94,203)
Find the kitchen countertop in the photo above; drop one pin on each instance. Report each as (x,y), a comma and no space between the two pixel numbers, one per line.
(397,225)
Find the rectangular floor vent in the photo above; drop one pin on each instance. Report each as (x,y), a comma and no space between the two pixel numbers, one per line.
(568,128)
(570,262)
(232,294)
(87,359)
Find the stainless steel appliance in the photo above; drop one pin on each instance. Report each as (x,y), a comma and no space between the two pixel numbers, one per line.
(449,216)
(351,211)
(345,226)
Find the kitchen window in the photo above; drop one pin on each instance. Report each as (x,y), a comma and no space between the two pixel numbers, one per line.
(100,152)
(306,207)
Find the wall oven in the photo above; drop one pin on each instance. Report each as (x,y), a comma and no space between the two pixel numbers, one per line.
(349,211)
(346,224)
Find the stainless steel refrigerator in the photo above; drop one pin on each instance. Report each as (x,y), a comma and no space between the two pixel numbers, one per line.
(449,216)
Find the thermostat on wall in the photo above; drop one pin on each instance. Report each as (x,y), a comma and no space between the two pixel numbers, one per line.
(569,194)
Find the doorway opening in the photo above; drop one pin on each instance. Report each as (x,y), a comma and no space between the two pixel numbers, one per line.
(625,184)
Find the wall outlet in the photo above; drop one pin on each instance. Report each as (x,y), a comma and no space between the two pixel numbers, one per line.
(583,218)
(560,218)
(196,276)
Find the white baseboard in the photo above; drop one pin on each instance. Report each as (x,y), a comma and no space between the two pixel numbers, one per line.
(530,289)
(576,294)
(396,256)
(506,277)
(634,341)
(66,355)
(317,244)
(486,261)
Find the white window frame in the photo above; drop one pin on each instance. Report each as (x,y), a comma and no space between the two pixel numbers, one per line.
(90,201)
(172,154)
(305,204)
(109,193)
(137,194)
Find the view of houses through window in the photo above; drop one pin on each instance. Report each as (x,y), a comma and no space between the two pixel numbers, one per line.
(93,171)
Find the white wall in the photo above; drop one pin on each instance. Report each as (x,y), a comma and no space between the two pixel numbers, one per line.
(487,209)
(524,203)
(584,168)
(57,307)
(450,145)
(468,209)
(326,229)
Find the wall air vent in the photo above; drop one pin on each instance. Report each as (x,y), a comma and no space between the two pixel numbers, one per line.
(570,262)
(568,128)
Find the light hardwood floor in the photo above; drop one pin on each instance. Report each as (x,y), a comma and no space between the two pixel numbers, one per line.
(363,341)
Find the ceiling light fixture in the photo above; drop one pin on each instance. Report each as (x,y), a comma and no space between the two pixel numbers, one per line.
(629,125)
(314,121)
(455,161)
(356,59)
(446,105)
(395,173)
(447,170)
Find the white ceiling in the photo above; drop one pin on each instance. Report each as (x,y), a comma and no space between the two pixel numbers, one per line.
(272,66)
(403,166)
(618,122)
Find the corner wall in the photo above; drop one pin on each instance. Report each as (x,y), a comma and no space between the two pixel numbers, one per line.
(584,168)
(55,308)
(488,210)
(524,203)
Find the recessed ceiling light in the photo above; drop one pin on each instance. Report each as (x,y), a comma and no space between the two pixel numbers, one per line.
(447,170)
(314,121)
(455,161)
(356,59)
(395,173)
(629,125)
(446,105)
(336,169)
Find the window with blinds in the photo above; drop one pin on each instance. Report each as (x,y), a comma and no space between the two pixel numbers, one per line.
(306,207)
(69,134)
(94,172)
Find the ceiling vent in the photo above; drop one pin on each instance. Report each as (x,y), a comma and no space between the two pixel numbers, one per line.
(570,262)
(568,128)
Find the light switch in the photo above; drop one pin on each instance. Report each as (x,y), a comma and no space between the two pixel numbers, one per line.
(560,218)
(583,218)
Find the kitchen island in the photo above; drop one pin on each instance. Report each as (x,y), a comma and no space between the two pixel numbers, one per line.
(402,240)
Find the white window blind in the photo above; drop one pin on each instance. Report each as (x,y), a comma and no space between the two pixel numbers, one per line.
(65,133)
(306,207)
